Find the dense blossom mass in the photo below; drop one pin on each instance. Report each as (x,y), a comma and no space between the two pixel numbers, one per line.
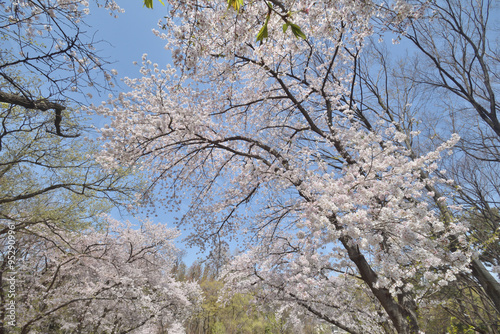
(262,124)
(117,279)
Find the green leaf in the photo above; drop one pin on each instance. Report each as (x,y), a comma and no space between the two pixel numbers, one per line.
(236,4)
(297,32)
(285,27)
(262,33)
(149,3)
(241,3)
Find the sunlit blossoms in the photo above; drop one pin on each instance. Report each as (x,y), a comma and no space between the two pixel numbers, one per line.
(109,280)
(339,217)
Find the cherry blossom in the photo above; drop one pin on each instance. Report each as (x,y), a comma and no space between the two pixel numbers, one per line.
(114,279)
(337,215)
(47,40)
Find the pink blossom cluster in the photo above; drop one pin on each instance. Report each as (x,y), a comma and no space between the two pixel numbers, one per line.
(117,278)
(338,215)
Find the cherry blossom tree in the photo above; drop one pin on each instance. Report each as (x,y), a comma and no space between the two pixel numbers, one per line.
(48,172)
(458,60)
(391,85)
(48,40)
(260,127)
(62,270)
(111,280)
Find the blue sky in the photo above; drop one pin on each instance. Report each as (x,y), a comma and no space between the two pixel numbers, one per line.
(124,40)
(129,36)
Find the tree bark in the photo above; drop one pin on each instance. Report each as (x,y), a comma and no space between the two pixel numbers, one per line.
(404,319)
(487,281)
(40,104)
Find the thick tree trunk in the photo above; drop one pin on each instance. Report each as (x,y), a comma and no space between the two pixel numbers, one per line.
(487,281)
(403,315)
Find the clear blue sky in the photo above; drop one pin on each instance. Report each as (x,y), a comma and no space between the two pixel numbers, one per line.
(124,40)
(129,36)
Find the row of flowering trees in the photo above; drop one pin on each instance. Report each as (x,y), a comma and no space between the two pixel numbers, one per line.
(114,280)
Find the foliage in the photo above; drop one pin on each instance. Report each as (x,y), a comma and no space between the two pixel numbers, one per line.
(49,178)
(75,271)
(461,307)
(149,3)
(241,312)
(47,168)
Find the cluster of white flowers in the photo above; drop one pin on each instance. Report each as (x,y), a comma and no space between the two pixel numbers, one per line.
(264,135)
(96,280)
